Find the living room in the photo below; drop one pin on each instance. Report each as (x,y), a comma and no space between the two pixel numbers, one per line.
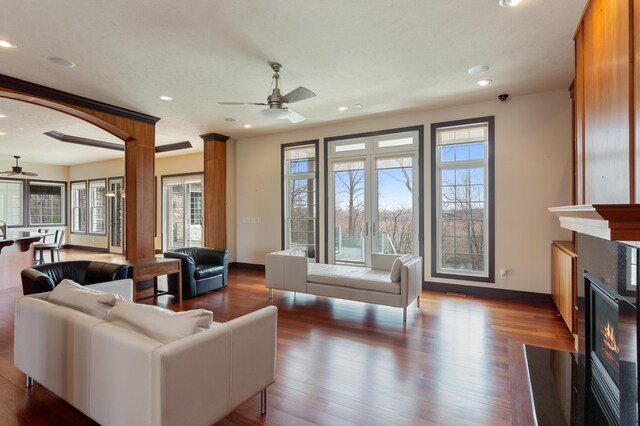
(531,166)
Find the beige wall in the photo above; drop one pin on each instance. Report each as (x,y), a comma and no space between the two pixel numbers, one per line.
(89,171)
(533,172)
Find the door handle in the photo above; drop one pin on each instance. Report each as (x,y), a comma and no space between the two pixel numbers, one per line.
(366,229)
(373,229)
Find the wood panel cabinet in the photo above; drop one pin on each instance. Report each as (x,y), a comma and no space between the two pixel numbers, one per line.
(605,85)
(564,283)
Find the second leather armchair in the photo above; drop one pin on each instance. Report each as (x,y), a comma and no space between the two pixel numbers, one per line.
(203,270)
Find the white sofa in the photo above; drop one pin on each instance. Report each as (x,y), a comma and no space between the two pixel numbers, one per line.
(118,376)
(290,270)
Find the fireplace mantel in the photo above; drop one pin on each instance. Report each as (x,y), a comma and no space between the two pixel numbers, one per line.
(614,222)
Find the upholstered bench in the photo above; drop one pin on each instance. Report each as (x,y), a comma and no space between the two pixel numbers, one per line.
(392,280)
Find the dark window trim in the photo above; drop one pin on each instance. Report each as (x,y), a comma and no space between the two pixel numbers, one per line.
(89,220)
(86,202)
(162,201)
(124,215)
(490,120)
(316,145)
(65,206)
(25,200)
(420,130)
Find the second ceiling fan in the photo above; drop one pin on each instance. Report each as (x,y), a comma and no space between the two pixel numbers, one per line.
(276,100)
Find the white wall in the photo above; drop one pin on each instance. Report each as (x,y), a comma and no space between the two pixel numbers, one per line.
(533,172)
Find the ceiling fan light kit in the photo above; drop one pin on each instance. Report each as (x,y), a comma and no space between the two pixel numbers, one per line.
(276,100)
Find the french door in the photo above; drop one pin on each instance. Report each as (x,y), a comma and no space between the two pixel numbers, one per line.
(116,215)
(373,199)
(182,208)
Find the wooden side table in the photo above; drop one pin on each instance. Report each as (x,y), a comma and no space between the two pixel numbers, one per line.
(151,268)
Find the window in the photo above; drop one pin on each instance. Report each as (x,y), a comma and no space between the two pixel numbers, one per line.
(462,199)
(373,191)
(46,203)
(11,202)
(79,207)
(97,200)
(300,197)
(195,201)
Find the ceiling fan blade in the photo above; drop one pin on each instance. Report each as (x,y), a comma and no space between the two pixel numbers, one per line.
(299,94)
(29,174)
(295,117)
(242,103)
(11,173)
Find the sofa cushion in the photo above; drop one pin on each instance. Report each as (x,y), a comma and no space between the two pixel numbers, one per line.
(352,276)
(90,301)
(160,324)
(208,271)
(397,266)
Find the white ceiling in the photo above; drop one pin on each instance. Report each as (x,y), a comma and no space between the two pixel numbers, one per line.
(386,55)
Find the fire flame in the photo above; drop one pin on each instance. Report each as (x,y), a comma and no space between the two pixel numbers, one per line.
(610,346)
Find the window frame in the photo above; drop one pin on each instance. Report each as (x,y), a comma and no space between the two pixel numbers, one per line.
(489,202)
(90,207)
(25,208)
(284,185)
(64,203)
(71,207)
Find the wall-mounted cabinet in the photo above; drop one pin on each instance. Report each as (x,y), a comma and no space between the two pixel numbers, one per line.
(606,83)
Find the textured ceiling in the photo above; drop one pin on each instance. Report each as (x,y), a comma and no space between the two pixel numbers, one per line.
(386,55)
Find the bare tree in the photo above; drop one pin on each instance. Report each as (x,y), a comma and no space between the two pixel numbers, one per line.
(352,187)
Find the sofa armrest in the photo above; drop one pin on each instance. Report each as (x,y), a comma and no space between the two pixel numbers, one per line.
(212,256)
(188,270)
(34,281)
(285,271)
(123,288)
(228,363)
(411,280)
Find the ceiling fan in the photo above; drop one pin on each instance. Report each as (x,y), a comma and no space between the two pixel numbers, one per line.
(276,100)
(17,170)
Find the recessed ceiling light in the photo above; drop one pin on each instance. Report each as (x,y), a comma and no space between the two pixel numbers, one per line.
(166,98)
(230,120)
(17,128)
(343,108)
(484,82)
(510,3)
(358,106)
(61,62)
(247,126)
(478,69)
(9,45)
(3,116)
(2,133)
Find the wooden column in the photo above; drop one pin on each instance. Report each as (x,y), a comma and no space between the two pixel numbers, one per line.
(140,190)
(215,190)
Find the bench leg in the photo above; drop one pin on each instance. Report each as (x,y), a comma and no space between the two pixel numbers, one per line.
(270,293)
(263,401)
(404,315)
(418,301)
(29,382)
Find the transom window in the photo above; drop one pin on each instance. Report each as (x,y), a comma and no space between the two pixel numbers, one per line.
(462,204)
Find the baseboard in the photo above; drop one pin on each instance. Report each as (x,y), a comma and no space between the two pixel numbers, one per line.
(240,265)
(498,293)
(86,248)
(158,251)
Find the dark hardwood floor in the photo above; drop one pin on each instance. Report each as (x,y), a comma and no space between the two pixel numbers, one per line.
(455,362)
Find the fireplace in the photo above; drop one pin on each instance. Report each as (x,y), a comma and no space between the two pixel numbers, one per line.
(608,318)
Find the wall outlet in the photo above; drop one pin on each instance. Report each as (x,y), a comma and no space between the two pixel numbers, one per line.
(503,274)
